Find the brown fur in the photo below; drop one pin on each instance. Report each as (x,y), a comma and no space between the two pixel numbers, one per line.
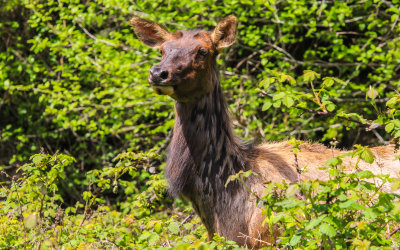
(204,150)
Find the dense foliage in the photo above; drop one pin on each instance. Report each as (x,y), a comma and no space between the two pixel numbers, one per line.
(350,210)
(73,94)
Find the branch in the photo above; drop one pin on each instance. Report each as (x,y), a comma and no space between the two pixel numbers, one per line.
(333,64)
(379,100)
(246,59)
(242,235)
(370,125)
(388,3)
(187,218)
(381,140)
(124,47)
(393,232)
(284,52)
(318,25)
(321,63)
(314,129)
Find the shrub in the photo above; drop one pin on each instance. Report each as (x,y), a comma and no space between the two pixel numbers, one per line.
(73,80)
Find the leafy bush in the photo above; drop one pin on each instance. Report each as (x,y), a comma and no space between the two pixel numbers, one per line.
(73,80)
(351,210)
(34,214)
(76,74)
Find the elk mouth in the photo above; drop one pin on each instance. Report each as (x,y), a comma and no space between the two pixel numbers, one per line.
(163,89)
(160,87)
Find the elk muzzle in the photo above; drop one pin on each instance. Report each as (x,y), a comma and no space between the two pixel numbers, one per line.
(158,75)
(159,78)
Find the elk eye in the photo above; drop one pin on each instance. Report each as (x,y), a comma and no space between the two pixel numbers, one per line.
(202,52)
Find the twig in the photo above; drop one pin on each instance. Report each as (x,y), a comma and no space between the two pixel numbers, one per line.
(381,140)
(347,33)
(330,242)
(316,98)
(275,12)
(124,47)
(337,125)
(395,22)
(242,235)
(21,216)
(298,170)
(318,25)
(284,52)
(369,125)
(380,100)
(393,232)
(330,114)
(187,218)
(320,10)
(246,59)
(389,3)
(355,19)
(357,136)
(331,64)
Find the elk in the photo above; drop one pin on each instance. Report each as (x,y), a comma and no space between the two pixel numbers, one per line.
(204,150)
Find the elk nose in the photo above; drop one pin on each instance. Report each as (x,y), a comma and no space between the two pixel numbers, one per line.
(158,75)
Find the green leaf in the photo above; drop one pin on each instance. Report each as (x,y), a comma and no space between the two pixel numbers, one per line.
(386,200)
(31,220)
(336,161)
(315,222)
(290,203)
(393,101)
(330,107)
(277,103)
(369,214)
(37,159)
(389,127)
(188,226)
(173,227)
(367,156)
(144,235)
(310,75)
(290,79)
(292,190)
(328,82)
(288,101)
(279,96)
(158,227)
(396,123)
(294,240)
(267,104)
(247,173)
(278,217)
(327,229)
(266,82)
(372,93)
(153,238)
(365,174)
(351,204)
(184,246)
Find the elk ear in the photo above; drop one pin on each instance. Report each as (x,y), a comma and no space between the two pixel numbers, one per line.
(224,34)
(150,33)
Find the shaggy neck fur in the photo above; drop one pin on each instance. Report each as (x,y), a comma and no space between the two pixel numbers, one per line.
(203,153)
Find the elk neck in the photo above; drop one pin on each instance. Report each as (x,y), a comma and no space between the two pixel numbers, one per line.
(204,151)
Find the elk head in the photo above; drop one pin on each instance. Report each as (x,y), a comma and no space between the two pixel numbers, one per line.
(188,57)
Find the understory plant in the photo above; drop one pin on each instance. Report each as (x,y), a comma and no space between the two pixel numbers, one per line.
(83,137)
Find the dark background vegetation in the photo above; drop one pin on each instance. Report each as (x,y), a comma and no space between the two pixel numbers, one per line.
(73,81)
